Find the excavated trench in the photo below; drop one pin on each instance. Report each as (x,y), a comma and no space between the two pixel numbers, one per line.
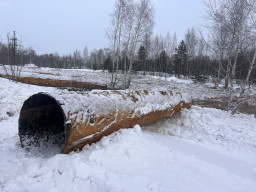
(41,123)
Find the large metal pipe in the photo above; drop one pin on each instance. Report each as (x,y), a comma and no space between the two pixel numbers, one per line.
(71,120)
(56,82)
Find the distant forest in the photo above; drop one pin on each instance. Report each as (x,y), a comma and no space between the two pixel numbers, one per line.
(228,52)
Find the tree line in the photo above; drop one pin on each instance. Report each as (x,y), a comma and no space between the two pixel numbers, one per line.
(76,60)
(227,52)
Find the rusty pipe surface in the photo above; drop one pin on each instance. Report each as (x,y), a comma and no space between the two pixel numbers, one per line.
(71,120)
(56,82)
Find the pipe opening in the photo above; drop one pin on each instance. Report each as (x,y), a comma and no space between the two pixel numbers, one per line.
(41,123)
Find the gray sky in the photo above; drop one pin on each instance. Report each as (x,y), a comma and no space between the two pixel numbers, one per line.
(63,26)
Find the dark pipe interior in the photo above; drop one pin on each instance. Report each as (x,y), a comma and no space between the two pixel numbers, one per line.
(41,123)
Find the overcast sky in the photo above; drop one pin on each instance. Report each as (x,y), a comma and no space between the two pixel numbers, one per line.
(63,26)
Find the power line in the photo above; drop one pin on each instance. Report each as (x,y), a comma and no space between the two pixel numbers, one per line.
(14,47)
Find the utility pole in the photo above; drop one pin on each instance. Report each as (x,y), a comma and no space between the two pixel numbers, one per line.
(14,47)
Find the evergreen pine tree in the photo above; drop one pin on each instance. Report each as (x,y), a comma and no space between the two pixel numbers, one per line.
(163,61)
(142,56)
(180,59)
(108,64)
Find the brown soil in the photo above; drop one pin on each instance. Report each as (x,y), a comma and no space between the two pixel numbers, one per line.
(224,104)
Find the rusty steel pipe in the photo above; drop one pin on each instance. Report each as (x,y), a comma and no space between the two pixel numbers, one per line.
(56,82)
(74,119)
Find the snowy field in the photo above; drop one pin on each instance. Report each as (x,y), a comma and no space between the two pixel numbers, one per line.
(198,149)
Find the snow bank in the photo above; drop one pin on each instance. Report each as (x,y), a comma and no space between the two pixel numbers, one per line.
(12,96)
(213,127)
(128,160)
(193,159)
(173,79)
(30,65)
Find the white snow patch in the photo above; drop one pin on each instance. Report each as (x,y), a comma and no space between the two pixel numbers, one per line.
(215,128)
(208,150)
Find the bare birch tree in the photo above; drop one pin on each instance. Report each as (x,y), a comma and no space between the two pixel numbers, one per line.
(130,21)
(238,14)
(229,24)
(85,56)
(144,14)
(115,35)
(191,43)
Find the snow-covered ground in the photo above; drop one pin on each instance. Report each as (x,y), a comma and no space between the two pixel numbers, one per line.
(199,149)
(83,75)
(197,91)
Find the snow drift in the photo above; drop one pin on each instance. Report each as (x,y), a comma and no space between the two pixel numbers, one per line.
(70,120)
